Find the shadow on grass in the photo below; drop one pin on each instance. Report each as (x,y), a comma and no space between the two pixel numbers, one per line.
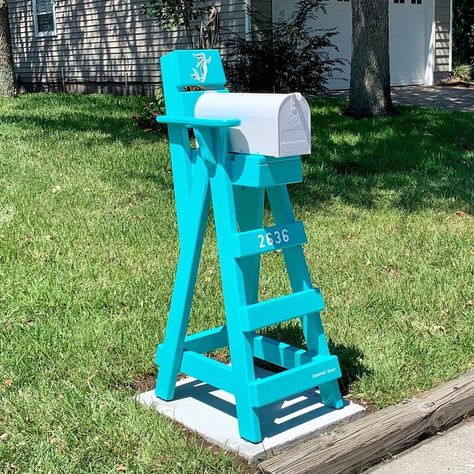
(422,158)
(110,117)
(351,361)
(351,358)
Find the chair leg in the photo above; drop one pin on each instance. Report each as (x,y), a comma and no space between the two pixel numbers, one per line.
(185,280)
(244,370)
(234,278)
(249,212)
(178,319)
(331,395)
(300,279)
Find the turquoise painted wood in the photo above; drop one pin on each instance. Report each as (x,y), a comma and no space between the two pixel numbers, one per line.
(258,171)
(237,185)
(268,239)
(278,310)
(190,122)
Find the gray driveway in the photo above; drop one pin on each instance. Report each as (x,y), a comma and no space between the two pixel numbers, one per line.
(449,98)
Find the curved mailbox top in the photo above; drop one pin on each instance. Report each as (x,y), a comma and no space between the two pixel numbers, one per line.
(276,125)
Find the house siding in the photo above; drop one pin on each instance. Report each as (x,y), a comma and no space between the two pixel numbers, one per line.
(442,65)
(111,46)
(264,9)
(108,46)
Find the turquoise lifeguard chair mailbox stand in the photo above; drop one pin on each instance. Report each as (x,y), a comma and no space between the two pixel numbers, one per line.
(237,183)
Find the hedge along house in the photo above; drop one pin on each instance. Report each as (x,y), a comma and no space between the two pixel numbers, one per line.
(111,46)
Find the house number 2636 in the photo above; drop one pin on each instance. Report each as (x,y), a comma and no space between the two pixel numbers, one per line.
(273,238)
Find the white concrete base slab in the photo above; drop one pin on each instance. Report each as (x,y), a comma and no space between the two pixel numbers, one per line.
(211,413)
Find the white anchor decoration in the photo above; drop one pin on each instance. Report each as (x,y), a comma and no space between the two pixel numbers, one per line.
(202,66)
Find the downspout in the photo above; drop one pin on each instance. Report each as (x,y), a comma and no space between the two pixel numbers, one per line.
(450,35)
(431,46)
(248,25)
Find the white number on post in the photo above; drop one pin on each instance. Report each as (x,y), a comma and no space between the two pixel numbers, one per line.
(273,238)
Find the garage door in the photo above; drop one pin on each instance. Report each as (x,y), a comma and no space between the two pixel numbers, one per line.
(407,37)
(407,41)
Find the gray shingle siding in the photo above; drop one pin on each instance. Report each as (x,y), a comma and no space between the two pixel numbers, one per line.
(100,44)
(442,41)
(103,45)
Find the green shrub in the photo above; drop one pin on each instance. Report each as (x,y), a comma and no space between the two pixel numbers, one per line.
(283,56)
(463,72)
(463,32)
(146,118)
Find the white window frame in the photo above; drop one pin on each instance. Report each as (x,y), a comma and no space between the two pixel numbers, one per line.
(41,34)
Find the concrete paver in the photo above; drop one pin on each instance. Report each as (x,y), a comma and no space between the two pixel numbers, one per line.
(211,413)
(449,452)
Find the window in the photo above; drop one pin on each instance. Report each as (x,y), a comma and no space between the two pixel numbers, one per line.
(44,18)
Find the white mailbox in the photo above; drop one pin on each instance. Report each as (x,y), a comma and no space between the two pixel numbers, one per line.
(271,124)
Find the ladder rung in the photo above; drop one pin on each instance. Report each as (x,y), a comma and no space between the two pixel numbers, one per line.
(207,341)
(200,342)
(280,353)
(266,239)
(285,384)
(281,309)
(201,367)
(208,370)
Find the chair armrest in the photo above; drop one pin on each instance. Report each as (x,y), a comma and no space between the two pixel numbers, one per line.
(191,122)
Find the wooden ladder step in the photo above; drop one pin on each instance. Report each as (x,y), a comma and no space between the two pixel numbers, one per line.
(199,366)
(321,370)
(283,308)
(208,370)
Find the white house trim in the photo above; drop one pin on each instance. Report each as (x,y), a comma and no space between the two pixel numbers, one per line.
(430,43)
(248,25)
(451,35)
(41,34)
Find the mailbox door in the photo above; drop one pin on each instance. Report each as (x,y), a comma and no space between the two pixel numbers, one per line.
(294,125)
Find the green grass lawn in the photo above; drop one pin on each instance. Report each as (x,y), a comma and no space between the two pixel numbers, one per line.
(88,248)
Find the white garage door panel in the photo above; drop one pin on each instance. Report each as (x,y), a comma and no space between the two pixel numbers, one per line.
(407,43)
(408,54)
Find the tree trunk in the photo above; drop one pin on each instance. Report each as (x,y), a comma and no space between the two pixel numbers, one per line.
(7,73)
(370,68)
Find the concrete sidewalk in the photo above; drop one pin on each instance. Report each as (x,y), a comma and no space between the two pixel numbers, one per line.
(448,452)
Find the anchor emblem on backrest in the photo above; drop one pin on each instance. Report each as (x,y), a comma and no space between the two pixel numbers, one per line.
(200,71)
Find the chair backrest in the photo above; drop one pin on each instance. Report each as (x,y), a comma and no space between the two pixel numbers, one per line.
(183,69)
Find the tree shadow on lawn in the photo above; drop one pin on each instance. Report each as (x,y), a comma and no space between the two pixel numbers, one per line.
(422,158)
(109,116)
